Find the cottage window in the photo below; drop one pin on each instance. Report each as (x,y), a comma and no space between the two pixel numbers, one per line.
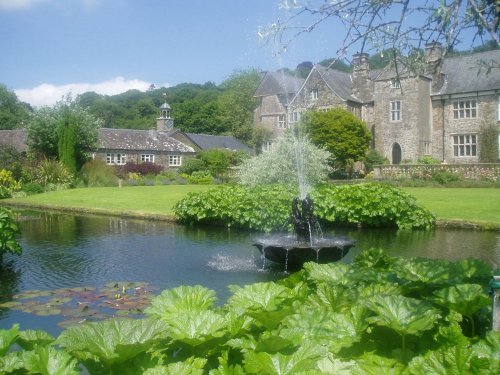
(118,159)
(427,148)
(174,160)
(314,94)
(282,121)
(396,111)
(267,146)
(294,117)
(395,83)
(464,145)
(147,158)
(465,109)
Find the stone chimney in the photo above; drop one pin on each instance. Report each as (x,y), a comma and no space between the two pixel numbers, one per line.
(361,82)
(433,60)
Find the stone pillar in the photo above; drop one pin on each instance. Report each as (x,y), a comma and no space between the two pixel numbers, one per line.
(495,287)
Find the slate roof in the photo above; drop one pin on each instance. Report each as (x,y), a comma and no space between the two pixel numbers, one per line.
(462,73)
(150,140)
(206,142)
(340,82)
(278,83)
(16,138)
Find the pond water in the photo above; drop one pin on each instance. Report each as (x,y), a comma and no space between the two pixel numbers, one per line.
(102,266)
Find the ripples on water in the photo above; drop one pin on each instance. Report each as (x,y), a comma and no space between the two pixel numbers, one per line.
(65,251)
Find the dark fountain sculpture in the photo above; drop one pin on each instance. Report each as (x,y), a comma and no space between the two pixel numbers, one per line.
(294,251)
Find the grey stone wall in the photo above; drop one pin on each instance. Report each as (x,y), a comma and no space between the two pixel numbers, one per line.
(414,128)
(266,114)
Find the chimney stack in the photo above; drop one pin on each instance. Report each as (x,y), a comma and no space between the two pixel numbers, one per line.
(361,82)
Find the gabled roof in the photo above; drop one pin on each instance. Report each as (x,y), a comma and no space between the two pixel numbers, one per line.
(148,140)
(463,73)
(278,83)
(206,142)
(339,82)
(15,138)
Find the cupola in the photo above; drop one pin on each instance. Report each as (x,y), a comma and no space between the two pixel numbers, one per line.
(165,122)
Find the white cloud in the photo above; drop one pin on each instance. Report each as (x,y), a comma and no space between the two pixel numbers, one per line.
(47,94)
(16,4)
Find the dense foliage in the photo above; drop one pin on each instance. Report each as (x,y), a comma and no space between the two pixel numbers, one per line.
(8,236)
(377,315)
(268,208)
(341,133)
(13,113)
(46,127)
(293,161)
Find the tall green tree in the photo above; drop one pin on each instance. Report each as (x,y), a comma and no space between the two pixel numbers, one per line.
(13,113)
(67,143)
(44,129)
(236,103)
(341,133)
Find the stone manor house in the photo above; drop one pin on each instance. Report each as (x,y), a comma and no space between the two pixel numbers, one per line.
(440,112)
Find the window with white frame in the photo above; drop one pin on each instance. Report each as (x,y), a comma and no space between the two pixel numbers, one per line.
(282,121)
(294,117)
(464,145)
(267,146)
(118,159)
(147,158)
(395,110)
(174,160)
(314,94)
(427,148)
(395,83)
(465,109)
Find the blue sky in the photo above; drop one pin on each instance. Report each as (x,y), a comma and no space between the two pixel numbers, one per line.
(50,47)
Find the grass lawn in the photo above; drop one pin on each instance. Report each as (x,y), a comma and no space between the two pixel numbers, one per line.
(465,204)
(462,204)
(138,200)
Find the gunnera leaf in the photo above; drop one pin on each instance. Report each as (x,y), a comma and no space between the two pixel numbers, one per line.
(305,358)
(11,362)
(466,299)
(28,339)
(331,273)
(196,327)
(191,366)
(372,364)
(46,360)
(114,340)
(421,270)
(172,302)
(402,314)
(7,338)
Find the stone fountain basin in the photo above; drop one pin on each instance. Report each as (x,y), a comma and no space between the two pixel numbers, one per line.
(293,253)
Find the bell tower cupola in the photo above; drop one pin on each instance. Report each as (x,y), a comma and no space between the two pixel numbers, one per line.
(165,122)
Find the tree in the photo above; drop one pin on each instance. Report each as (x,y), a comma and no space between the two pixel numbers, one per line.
(294,160)
(44,129)
(341,133)
(13,113)
(67,143)
(401,26)
(236,103)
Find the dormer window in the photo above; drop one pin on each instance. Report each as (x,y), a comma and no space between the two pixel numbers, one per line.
(314,94)
(395,83)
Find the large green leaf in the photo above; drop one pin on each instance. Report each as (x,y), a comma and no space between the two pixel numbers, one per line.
(420,270)
(46,360)
(112,341)
(372,364)
(471,269)
(30,338)
(268,303)
(331,273)
(305,358)
(466,299)
(191,366)
(197,327)
(402,314)
(454,360)
(7,338)
(11,362)
(176,301)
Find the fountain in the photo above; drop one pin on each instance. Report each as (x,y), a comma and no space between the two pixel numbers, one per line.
(294,251)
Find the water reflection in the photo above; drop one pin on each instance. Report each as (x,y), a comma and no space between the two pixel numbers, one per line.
(67,251)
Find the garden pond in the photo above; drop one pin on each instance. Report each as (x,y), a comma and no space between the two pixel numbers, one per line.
(78,268)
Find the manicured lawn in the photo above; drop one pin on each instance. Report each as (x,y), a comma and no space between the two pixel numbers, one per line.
(140,200)
(475,205)
(467,204)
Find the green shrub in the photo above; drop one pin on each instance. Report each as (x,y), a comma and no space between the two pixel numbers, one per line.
(97,173)
(372,158)
(428,160)
(190,165)
(200,178)
(268,208)
(53,173)
(31,188)
(8,233)
(444,177)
